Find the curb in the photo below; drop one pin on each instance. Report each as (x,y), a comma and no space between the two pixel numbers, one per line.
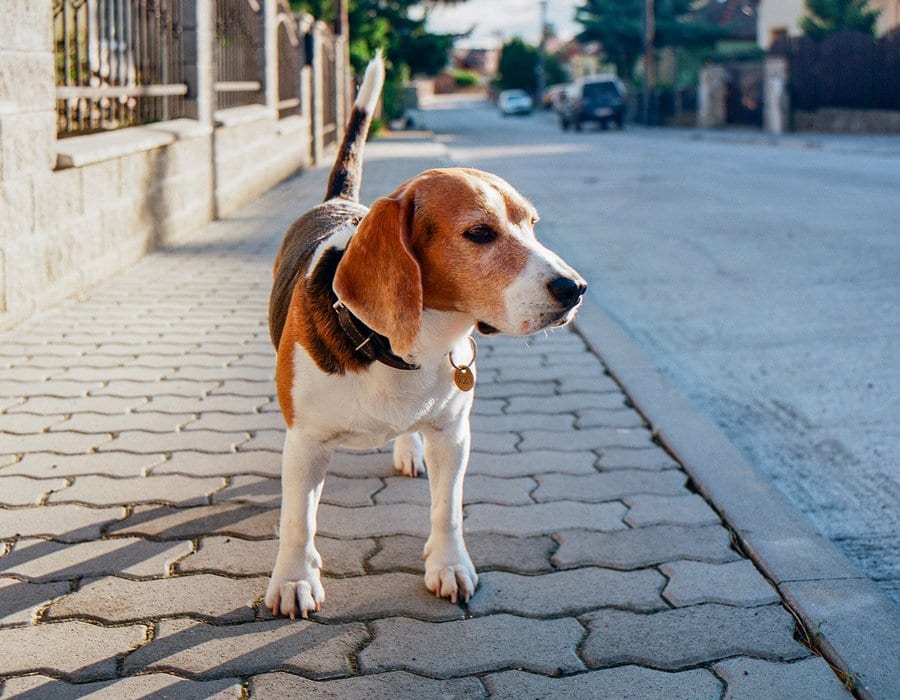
(854,625)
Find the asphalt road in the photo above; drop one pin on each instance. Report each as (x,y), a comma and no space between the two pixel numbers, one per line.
(765,279)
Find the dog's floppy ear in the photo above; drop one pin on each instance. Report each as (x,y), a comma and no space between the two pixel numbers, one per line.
(379,278)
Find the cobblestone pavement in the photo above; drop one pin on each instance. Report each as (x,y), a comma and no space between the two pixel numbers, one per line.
(140,450)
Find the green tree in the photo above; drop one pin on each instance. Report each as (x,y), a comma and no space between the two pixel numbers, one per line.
(619,26)
(827,17)
(516,67)
(386,24)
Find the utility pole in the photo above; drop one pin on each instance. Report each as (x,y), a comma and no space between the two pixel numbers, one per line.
(649,58)
(539,67)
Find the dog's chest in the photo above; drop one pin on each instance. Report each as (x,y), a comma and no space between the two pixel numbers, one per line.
(364,410)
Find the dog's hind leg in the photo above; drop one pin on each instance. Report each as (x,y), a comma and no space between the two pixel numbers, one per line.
(449,572)
(409,455)
(296,587)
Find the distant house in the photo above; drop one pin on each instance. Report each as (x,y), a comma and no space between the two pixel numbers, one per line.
(481,61)
(736,18)
(777,18)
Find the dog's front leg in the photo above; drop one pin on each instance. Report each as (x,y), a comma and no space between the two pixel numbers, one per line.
(295,585)
(449,572)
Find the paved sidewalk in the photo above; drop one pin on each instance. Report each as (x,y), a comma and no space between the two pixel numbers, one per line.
(140,449)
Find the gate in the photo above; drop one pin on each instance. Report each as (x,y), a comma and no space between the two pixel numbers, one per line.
(745,94)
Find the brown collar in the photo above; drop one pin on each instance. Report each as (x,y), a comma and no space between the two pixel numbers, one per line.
(367,342)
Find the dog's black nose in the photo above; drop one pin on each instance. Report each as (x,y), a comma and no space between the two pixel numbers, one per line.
(566,291)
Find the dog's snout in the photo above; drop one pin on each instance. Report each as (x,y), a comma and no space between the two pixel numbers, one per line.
(566,290)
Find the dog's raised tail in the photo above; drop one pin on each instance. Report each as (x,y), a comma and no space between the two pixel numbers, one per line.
(346,175)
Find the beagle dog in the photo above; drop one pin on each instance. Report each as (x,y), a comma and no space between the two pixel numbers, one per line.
(371,314)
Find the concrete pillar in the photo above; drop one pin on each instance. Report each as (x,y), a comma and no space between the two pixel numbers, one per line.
(776,99)
(199,73)
(712,97)
(318,94)
(270,47)
(27,135)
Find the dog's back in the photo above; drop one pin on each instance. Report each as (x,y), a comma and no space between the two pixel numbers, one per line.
(341,202)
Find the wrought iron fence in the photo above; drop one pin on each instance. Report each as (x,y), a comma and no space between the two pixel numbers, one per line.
(239,53)
(118,63)
(291,56)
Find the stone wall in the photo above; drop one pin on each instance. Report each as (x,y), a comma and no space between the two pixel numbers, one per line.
(74,211)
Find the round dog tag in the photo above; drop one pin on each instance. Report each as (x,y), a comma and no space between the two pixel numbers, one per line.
(464,378)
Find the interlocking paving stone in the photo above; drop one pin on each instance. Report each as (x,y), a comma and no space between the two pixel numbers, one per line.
(49,561)
(60,649)
(522,422)
(225,404)
(68,523)
(753,678)
(574,592)
(167,523)
(19,600)
(265,440)
(194,440)
(587,439)
(527,463)
(21,491)
(224,422)
(645,546)
(543,517)
(487,550)
(479,644)
(734,583)
(112,600)
(66,443)
(598,383)
(675,639)
(106,374)
(243,387)
(218,373)
(599,418)
(178,388)
(397,685)
(150,685)
(25,423)
(51,405)
(355,465)
(530,389)
(488,407)
(214,651)
(233,556)
(44,464)
(477,488)
(653,459)
(499,443)
(373,521)
(383,595)
(564,404)
(116,423)
(171,488)
(221,464)
(607,486)
(337,491)
(687,509)
(623,683)
(59,389)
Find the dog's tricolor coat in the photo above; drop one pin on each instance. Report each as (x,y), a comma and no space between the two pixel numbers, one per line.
(369,313)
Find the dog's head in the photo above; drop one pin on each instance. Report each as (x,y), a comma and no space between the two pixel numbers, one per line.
(456,240)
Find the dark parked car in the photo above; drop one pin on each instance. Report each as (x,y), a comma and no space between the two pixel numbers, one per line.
(599,98)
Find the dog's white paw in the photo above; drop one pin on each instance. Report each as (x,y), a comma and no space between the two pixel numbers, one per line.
(449,572)
(295,595)
(409,455)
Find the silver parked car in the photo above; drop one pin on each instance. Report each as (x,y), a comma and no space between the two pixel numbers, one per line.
(514,102)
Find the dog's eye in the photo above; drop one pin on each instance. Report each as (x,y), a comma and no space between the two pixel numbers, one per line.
(481,234)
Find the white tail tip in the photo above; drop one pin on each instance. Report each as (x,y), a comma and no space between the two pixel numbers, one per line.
(370,90)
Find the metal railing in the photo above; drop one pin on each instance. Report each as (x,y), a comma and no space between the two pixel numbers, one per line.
(239,58)
(118,63)
(291,54)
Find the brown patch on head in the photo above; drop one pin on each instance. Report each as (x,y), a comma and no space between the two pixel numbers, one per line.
(458,273)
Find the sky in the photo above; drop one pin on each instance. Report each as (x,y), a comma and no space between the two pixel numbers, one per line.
(508,17)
